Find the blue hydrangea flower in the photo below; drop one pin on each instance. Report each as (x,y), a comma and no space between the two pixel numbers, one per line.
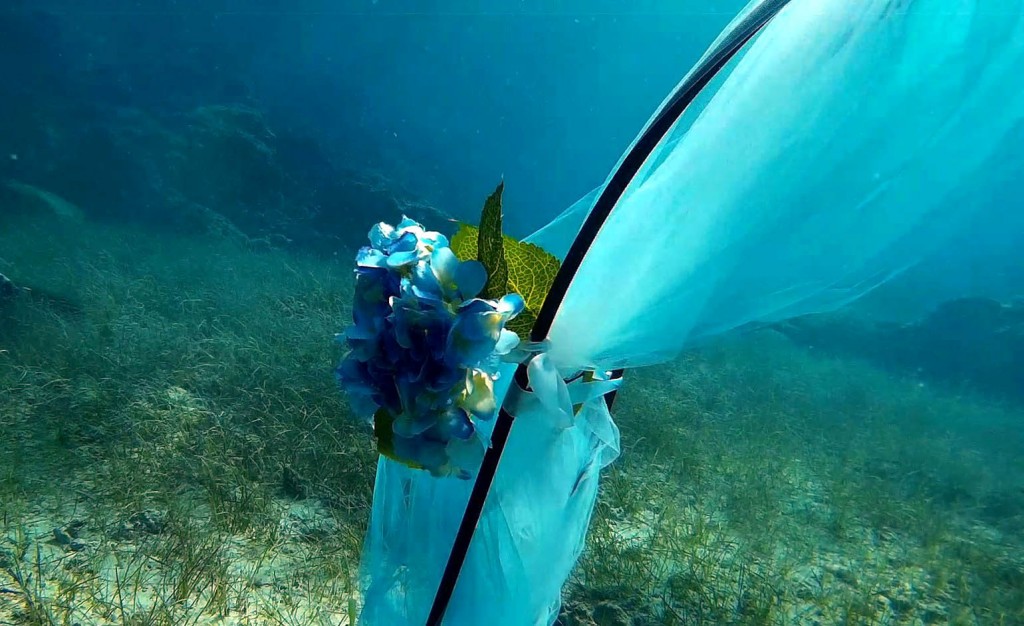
(366,383)
(454,423)
(354,379)
(422,343)
(420,327)
(447,279)
(478,328)
(428,239)
(405,245)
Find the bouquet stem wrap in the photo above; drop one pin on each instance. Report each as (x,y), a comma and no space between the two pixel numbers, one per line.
(530,535)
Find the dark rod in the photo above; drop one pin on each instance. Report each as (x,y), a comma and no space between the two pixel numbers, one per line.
(475,507)
(645,145)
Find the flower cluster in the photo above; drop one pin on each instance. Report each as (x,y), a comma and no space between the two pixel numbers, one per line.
(422,346)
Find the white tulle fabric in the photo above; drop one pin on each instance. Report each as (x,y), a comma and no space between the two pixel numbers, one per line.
(852,140)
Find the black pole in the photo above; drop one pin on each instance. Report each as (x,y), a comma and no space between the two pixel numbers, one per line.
(670,113)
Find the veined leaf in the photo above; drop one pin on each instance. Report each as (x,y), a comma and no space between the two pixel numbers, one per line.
(530,270)
(463,243)
(491,248)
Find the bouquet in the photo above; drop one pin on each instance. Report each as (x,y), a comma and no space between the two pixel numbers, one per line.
(430,327)
(439,328)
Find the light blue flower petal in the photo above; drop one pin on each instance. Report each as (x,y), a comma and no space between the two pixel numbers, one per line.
(425,280)
(471,276)
(507,342)
(455,423)
(407,223)
(381,236)
(359,388)
(358,332)
(445,265)
(402,259)
(369,257)
(479,396)
(431,295)
(363,342)
(475,305)
(362,404)
(437,240)
(407,242)
(473,337)
(480,319)
(468,327)
(511,305)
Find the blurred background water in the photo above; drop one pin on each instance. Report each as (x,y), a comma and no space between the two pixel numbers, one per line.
(449,96)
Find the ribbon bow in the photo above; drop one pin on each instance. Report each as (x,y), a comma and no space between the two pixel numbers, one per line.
(549,390)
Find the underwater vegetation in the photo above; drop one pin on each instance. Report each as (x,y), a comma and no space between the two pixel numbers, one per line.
(162,140)
(175,451)
(136,482)
(793,488)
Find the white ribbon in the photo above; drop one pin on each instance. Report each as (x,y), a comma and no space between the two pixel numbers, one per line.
(549,392)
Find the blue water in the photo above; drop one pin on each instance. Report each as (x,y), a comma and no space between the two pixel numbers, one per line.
(183,187)
(455,94)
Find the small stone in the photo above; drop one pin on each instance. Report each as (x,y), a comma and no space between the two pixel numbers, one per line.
(74,528)
(261,581)
(610,614)
(150,522)
(147,522)
(61,537)
(842,574)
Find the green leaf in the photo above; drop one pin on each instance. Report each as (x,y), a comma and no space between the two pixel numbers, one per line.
(463,243)
(522,324)
(491,248)
(531,271)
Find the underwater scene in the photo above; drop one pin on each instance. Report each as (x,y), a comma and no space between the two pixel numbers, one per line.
(511,312)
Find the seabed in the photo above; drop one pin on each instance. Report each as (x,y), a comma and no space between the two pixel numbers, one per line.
(175,451)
